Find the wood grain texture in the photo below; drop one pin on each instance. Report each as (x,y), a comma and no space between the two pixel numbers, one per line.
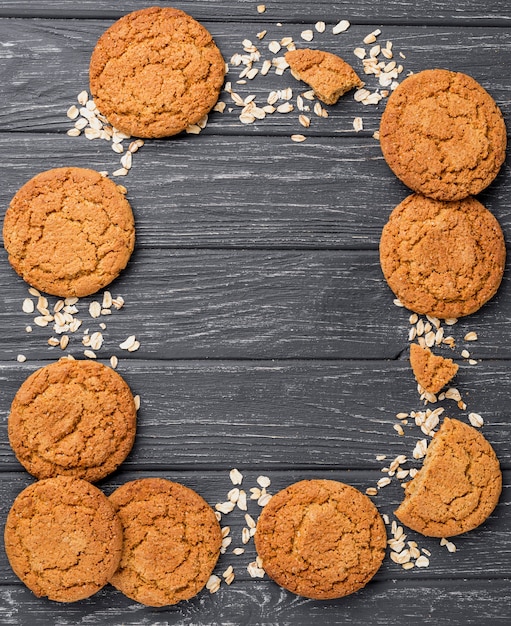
(267,193)
(480,554)
(250,304)
(282,414)
(365,12)
(433,603)
(269,339)
(34,103)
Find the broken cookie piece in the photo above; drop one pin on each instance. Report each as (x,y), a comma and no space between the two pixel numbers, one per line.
(329,76)
(432,372)
(458,486)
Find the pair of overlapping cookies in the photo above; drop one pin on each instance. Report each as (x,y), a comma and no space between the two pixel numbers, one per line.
(74,422)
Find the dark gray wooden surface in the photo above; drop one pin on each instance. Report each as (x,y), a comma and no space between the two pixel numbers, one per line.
(269,340)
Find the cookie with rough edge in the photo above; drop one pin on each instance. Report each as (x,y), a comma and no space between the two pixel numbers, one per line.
(69,231)
(63,538)
(458,486)
(431,371)
(443,135)
(329,76)
(74,418)
(156,71)
(444,259)
(320,539)
(172,541)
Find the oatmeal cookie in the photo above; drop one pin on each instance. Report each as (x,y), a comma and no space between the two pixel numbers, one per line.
(320,539)
(329,76)
(156,71)
(172,541)
(444,259)
(74,418)
(443,135)
(69,231)
(63,538)
(458,486)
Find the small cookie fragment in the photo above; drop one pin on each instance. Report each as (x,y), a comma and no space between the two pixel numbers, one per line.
(69,231)
(458,486)
(431,371)
(172,541)
(443,259)
(74,418)
(329,76)
(63,538)
(155,72)
(443,135)
(321,539)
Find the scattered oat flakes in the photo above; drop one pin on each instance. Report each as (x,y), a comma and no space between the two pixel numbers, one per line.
(358,124)
(261,8)
(476,420)
(298,138)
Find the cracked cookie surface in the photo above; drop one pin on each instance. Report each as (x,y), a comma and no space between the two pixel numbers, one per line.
(444,259)
(329,76)
(63,538)
(443,135)
(156,71)
(69,231)
(320,539)
(458,486)
(74,418)
(172,541)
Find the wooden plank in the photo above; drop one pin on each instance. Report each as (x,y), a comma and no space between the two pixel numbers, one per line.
(482,553)
(282,414)
(364,12)
(443,602)
(261,192)
(250,304)
(30,47)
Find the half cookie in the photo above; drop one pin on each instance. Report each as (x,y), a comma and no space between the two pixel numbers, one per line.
(329,76)
(458,486)
(432,372)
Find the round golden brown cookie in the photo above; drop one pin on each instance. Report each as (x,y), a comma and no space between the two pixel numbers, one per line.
(443,135)
(458,486)
(172,541)
(69,231)
(320,539)
(156,71)
(444,259)
(74,418)
(63,538)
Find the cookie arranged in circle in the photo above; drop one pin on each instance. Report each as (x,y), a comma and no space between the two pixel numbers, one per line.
(156,71)
(458,486)
(172,541)
(69,231)
(444,259)
(63,538)
(329,76)
(320,539)
(74,418)
(443,135)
